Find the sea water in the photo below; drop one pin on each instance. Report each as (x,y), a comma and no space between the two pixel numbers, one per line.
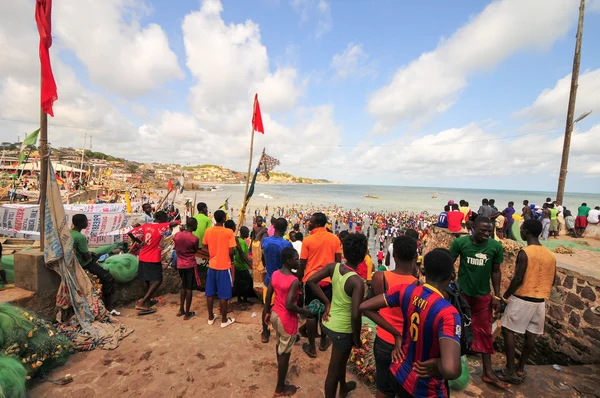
(390,198)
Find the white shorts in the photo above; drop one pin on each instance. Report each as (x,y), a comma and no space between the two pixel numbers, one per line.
(521,316)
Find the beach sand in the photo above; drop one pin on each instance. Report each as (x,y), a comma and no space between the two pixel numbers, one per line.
(169,357)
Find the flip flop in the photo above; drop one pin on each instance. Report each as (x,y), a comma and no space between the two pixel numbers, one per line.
(306,348)
(189,315)
(288,391)
(496,383)
(148,311)
(505,377)
(327,345)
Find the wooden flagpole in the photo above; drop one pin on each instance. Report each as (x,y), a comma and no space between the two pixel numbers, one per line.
(249,161)
(244,204)
(43,172)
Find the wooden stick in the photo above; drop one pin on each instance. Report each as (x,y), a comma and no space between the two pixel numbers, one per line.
(193,209)
(43,173)
(162,200)
(243,209)
(249,162)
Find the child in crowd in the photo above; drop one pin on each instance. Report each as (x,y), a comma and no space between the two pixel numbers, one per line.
(380,257)
(283,315)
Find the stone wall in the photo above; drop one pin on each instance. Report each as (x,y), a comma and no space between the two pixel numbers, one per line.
(572,332)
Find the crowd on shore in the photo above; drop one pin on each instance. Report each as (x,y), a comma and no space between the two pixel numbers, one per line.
(315,263)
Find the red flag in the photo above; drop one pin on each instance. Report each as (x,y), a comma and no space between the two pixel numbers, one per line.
(43,16)
(58,179)
(257,124)
(170,186)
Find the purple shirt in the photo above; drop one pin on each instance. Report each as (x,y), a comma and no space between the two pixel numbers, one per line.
(508,213)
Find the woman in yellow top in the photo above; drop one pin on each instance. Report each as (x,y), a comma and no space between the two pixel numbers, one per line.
(342,318)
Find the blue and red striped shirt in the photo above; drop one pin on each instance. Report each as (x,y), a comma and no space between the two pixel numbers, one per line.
(428,317)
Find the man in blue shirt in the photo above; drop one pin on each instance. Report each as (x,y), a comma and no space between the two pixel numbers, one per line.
(272,247)
(443,218)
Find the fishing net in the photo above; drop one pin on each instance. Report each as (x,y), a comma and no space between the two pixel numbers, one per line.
(12,378)
(8,263)
(552,243)
(106,249)
(123,267)
(31,339)
(465,376)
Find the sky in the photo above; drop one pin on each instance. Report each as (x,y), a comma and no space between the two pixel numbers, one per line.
(469,94)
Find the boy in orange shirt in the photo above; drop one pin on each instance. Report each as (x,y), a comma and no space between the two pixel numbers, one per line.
(219,242)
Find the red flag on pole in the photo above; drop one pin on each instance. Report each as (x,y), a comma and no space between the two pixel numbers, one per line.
(43,16)
(257,124)
(170,186)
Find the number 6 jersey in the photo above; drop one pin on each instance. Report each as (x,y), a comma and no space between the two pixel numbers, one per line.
(428,317)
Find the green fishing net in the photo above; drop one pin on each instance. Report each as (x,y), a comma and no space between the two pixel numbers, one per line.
(106,249)
(8,263)
(12,378)
(552,243)
(123,267)
(32,340)
(463,380)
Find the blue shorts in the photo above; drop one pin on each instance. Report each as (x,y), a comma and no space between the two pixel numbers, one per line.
(218,283)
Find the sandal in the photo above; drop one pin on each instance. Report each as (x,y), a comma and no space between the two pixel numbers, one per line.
(288,391)
(306,349)
(507,378)
(327,344)
(189,315)
(495,383)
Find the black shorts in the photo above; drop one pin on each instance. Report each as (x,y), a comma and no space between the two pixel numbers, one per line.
(383,359)
(189,278)
(150,272)
(341,341)
(309,295)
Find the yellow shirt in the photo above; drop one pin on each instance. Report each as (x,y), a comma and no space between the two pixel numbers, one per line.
(369,262)
(539,276)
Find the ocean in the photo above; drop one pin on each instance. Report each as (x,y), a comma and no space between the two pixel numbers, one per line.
(391,198)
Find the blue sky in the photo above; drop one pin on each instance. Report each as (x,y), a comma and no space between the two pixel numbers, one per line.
(380,92)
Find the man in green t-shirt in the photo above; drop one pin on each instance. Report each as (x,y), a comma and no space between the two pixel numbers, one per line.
(480,259)
(242,283)
(87,260)
(204,222)
(553,220)
(581,221)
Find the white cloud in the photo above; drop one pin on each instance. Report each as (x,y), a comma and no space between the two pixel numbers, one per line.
(77,106)
(432,83)
(470,151)
(551,104)
(351,62)
(317,10)
(120,55)
(238,66)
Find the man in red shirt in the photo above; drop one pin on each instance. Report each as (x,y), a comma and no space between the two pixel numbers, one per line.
(455,219)
(186,245)
(150,267)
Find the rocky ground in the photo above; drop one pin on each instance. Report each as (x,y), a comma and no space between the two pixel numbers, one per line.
(169,357)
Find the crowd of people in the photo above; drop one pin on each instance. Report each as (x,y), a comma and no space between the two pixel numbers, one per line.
(555,217)
(318,272)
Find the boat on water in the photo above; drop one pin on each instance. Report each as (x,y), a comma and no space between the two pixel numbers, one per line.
(434,196)
(371,197)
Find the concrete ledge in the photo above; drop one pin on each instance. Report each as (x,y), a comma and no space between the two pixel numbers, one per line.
(32,274)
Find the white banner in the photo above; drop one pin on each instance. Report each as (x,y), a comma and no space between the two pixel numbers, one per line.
(22,221)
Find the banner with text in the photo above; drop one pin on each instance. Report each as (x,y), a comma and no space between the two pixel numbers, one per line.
(23,221)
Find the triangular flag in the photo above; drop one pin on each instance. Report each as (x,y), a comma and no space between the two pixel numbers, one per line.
(257,123)
(31,139)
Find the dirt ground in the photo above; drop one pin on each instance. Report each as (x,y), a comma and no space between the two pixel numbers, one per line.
(169,357)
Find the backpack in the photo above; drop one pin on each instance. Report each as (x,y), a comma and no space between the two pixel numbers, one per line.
(464,309)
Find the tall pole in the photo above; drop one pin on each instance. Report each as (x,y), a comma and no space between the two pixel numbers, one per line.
(562,178)
(249,167)
(82,155)
(43,172)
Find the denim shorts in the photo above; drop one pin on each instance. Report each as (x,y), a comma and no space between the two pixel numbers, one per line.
(341,341)
(382,351)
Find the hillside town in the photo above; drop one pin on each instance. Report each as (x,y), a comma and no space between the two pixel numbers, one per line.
(99,169)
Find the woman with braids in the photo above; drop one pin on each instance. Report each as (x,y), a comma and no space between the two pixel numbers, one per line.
(342,318)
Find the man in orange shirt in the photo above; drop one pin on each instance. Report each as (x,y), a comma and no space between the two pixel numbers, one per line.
(318,249)
(219,242)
